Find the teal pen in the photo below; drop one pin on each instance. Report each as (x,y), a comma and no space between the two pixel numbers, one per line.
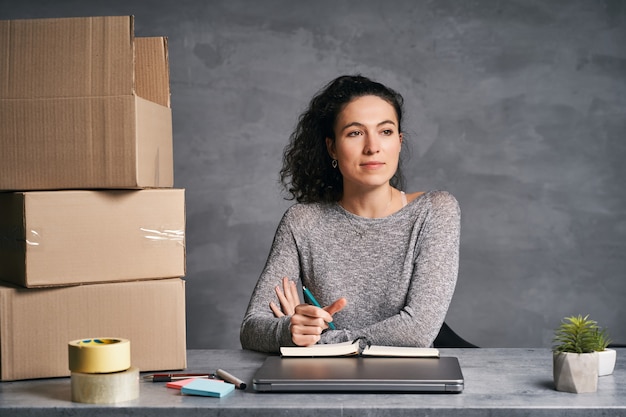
(308,295)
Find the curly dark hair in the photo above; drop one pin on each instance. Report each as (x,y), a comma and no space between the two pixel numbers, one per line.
(307,174)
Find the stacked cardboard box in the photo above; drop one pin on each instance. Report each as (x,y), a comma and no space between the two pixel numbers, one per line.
(86,196)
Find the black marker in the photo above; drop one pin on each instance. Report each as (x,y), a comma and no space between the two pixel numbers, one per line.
(175,377)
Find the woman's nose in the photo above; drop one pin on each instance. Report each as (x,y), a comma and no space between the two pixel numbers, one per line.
(372,144)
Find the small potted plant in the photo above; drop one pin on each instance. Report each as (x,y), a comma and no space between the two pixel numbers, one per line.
(606,356)
(575,359)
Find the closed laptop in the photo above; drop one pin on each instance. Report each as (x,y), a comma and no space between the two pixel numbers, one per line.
(359,374)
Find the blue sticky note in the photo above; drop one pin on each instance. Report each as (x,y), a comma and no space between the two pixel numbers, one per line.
(207,388)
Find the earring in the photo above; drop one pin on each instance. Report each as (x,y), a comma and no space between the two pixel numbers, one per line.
(334,163)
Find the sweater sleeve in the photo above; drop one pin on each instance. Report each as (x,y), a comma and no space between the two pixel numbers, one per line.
(433,281)
(260,329)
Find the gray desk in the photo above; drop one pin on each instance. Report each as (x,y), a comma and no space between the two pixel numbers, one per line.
(498,382)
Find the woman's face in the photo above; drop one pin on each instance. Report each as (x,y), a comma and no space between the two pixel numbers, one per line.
(367,142)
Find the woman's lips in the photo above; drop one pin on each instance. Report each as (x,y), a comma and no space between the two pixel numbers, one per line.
(372,164)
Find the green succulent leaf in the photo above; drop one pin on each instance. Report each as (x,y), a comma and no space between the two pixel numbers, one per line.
(578,334)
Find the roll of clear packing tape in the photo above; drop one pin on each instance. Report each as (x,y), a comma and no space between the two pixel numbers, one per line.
(105,388)
(99,355)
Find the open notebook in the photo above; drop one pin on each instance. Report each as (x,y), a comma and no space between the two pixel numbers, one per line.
(354,348)
(359,374)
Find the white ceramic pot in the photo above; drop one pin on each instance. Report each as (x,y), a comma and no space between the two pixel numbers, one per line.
(606,361)
(575,372)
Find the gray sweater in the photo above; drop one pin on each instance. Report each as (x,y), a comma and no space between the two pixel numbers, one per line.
(397,273)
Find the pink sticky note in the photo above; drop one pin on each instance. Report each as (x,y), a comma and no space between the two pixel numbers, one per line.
(178,384)
(182,382)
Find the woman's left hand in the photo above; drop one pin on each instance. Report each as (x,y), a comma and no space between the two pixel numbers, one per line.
(288,297)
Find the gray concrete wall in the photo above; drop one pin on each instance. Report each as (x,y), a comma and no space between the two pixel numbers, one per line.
(517,107)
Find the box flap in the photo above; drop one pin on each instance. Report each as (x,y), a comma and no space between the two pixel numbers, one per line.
(155,149)
(152,77)
(66,57)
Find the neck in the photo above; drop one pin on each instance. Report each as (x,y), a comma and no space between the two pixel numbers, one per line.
(373,204)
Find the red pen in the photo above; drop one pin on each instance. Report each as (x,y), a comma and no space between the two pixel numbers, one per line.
(174,377)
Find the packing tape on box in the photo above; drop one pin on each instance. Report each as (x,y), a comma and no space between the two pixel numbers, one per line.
(105,388)
(99,356)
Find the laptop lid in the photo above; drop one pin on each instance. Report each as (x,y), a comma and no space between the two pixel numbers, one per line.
(359,374)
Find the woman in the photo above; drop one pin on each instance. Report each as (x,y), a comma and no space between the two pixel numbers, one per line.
(382,263)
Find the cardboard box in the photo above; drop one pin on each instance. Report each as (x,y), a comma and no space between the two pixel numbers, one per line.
(81,57)
(83,105)
(36,325)
(51,238)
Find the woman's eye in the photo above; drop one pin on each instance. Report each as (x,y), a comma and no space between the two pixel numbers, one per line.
(355,133)
(387,132)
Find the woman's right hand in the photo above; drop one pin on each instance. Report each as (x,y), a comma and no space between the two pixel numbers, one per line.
(308,322)
(288,297)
